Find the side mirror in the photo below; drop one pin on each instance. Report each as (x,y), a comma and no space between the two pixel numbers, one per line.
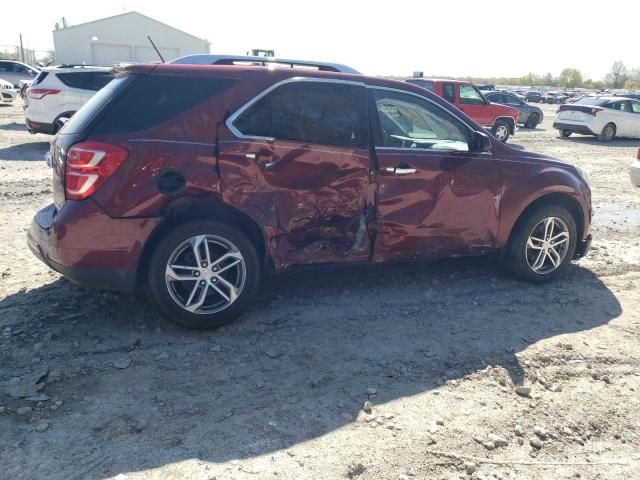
(481,142)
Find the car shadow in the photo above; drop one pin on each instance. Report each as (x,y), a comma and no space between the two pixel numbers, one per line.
(296,366)
(14,126)
(29,151)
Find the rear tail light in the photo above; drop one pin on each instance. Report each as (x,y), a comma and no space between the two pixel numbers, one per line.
(638,155)
(38,93)
(594,111)
(88,165)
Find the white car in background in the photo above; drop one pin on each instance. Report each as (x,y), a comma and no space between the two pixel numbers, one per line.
(634,170)
(7,92)
(58,92)
(13,71)
(606,117)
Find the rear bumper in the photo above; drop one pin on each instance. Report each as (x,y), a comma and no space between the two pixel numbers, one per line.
(583,247)
(39,127)
(87,246)
(577,128)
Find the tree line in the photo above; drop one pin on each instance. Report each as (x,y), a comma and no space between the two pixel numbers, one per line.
(619,76)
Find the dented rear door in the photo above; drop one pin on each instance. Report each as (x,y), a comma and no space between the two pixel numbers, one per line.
(297,162)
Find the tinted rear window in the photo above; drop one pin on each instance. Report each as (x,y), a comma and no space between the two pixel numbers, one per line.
(86,80)
(155,99)
(81,119)
(309,112)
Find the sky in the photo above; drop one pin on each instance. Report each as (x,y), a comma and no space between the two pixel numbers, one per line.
(454,38)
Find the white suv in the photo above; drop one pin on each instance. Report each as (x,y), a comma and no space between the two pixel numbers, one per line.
(58,92)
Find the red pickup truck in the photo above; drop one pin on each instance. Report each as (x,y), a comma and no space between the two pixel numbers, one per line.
(500,119)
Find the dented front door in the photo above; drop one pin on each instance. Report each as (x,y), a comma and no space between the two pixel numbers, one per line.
(435,197)
(312,199)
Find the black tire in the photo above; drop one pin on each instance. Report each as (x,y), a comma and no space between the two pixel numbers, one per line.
(565,133)
(516,255)
(532,121)
(59,123)
(497,128)
(159,289)
(608,133)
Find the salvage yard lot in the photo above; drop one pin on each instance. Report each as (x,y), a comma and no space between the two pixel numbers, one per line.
(93,385)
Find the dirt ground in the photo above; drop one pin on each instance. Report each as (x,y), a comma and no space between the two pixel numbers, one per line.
(97,385)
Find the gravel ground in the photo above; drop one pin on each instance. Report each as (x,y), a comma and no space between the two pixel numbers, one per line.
(98,385)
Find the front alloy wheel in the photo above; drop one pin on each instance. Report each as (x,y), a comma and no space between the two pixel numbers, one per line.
(547,245)
(542,244)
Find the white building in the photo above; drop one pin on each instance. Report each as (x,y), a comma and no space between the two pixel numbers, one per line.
(123,38)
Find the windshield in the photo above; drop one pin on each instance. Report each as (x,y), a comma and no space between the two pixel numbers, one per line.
(81,119)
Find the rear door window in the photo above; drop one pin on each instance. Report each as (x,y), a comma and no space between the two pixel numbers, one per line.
(309,112)
(512,100)
(635,107)
(449,92)
(155,99)
(622,106)
(86,80)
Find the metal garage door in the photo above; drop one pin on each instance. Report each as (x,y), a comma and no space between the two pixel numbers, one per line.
(144,54)
(108,54)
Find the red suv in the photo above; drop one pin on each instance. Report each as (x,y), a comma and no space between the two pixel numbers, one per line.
(190,180)
(500,119)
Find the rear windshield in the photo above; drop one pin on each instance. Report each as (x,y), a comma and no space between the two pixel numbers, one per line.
(155,99)
(422,83)
(590,101)
(81,119)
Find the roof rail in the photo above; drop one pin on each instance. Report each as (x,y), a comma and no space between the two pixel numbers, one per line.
(207,59)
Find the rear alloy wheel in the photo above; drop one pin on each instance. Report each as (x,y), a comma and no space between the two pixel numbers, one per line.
(608,133)
(532,121)
(501,130)
(542,245)
(565,133)
(203,274)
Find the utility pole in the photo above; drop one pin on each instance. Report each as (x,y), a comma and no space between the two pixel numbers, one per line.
(21,50)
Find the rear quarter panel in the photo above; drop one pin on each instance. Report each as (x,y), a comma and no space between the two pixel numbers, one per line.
(185,145)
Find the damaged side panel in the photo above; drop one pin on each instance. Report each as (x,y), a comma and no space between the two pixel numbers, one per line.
(314,203)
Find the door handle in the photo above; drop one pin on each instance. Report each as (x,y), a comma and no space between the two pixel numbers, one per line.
(272,163)
(268,165)
(400,170)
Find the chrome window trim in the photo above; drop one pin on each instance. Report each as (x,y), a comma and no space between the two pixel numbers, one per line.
(396,90)
(243,108)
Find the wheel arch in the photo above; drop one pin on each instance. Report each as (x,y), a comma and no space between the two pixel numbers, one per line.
(510,121)
(63,114)
(563,199)
(191,208)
